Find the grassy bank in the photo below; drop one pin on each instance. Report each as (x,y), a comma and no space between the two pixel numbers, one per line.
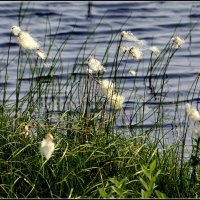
(94,157)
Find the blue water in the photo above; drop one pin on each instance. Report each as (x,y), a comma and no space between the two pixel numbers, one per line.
(152,21)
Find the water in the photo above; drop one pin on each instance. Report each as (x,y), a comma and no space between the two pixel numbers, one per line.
(152,21)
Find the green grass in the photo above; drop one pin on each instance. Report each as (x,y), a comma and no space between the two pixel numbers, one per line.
(93,158)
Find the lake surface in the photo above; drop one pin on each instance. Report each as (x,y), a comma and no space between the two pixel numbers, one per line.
(152,21)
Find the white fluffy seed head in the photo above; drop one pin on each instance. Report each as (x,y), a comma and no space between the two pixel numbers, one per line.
(26,41)
(132,72)
(89,71)
(126,35)
(194,115)
(106,86)
(177,41)
(136,53)
(41,54)
(49,136)
(192,112)
(47,146)
(154,50)
(196,130)
(123,33)
(124,49)
(15,30)
(188,107)
(25,131)
(116,100)
(26,128)
(95,65)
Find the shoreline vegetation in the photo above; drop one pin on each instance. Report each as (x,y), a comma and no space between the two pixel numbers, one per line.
(53,147)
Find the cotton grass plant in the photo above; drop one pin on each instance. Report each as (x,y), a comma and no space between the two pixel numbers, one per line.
(73,147)
(27,42)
